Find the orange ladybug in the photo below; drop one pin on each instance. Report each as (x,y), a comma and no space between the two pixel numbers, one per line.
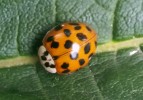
(67,47)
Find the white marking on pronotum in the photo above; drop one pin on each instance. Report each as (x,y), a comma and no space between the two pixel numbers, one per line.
(75,50)
(41,50)
(49,58)
(51,70)
(133,52)
(62,25)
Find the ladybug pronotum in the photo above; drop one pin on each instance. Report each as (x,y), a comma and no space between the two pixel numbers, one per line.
(67,47)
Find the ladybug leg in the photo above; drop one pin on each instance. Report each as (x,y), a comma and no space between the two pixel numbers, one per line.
(46,60)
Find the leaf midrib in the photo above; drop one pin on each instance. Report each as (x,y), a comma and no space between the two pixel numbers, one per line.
(107,47)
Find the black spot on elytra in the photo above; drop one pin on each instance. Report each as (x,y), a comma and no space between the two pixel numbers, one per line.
(87,48)
(66,71)
(65,65)
(73,23)
(95,44)
(81,61)
(68,44)
(74,55)
(55,57)
(90,55)
(43,58)
(67,32)
(88,28)
(47,64)
(59,27)
(77,69)
(52,66)
(77,27)
(54,44)
(49,39)
(81,36)
(46,53)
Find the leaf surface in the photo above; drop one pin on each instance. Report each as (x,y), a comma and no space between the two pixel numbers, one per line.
(114,73)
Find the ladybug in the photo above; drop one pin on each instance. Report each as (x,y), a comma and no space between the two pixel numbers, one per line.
(67,47)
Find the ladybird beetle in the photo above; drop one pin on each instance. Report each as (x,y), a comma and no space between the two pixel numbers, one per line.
(67,47)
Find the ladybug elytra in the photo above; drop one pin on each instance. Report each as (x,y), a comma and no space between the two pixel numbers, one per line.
(67,47)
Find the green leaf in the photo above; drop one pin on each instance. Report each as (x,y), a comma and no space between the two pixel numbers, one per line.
(114,73)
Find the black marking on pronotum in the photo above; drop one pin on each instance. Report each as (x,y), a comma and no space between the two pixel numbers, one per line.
(81,61)
(47,64)
(87,48)
(54,44)
(43,58)
(59,27)
(67,32)
(46,53)
(52,66)
(81,36)
(51,38)
(65,65)
(68,44)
